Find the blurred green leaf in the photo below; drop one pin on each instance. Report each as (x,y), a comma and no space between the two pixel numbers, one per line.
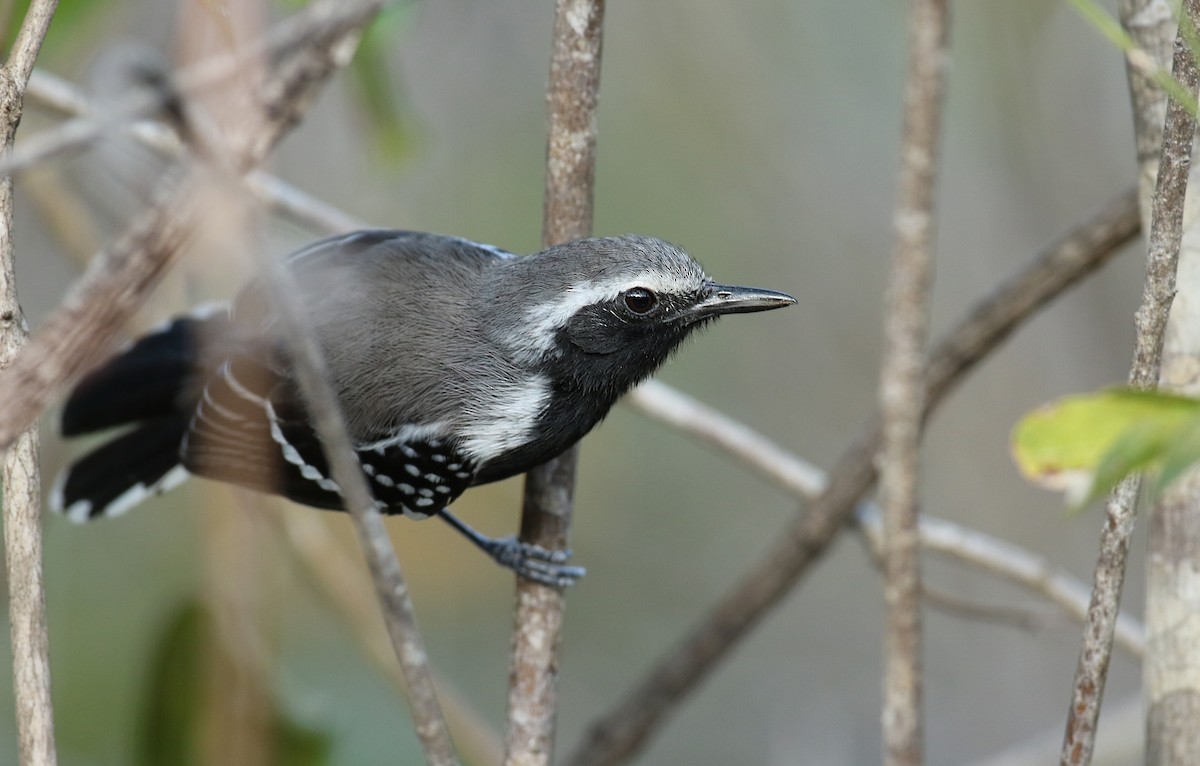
(1108,26)
(1083,445)
(300,745)
(382,97)
(72,19)
(170,729)
(1180,455)
(380,93)
(173,717)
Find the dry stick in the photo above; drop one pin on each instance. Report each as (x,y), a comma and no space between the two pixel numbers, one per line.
(76,335)
(548,499)
(1166,234)
(901,394)
(790,472)
(624,730)
(19,473)
(313,376)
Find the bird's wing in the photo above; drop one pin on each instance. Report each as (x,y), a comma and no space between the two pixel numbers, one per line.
(412,243)
(251,428)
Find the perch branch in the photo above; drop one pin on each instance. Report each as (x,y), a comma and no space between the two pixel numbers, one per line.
(572,95)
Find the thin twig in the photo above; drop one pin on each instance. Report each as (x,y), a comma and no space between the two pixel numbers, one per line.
(572,94)
(628,725)
(19,473)
(1009,561)
(1162,258)
(77,334)
(901,395)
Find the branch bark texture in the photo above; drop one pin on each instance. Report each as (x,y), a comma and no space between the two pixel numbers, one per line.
(901,393)
(1171,671)
(1165,237)
(626,728)
(572,95)
(19,473)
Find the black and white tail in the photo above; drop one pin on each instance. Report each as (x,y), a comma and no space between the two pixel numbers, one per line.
(150,389)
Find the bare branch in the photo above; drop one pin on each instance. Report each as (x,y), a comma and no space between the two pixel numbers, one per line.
(19,474)
(1166,234)
(79,331)
(901,394)
(1009,561)
(572,94)
(625,729)
(787,470)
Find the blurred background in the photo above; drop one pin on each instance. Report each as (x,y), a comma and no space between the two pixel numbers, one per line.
(762,137)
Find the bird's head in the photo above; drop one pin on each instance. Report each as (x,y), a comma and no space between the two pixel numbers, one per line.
(602,314)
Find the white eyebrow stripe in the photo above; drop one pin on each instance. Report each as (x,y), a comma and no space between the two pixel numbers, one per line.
(544,319)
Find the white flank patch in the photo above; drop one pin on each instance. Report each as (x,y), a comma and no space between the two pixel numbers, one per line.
(545,319)
(504,421)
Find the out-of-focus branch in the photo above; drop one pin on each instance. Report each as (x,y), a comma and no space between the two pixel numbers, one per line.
(1011,562)
(321,400)
(19,473)
(337,577)
(1162,259)
(79,331)
(901,394)
(799,477)
(572,94)
(622,731)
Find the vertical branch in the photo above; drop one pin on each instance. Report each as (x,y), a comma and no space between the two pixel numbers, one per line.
(1170,671)
(1166,235)
(21,480)
(901,387)
(546,516)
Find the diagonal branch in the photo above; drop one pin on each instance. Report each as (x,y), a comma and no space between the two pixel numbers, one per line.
(634,719)
(74,337)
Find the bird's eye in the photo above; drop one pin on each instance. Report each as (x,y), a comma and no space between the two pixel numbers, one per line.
(639,300)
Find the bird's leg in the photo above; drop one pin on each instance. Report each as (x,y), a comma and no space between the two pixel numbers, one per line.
(530,561)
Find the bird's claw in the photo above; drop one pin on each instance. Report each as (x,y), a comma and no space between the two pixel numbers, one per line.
(533,562)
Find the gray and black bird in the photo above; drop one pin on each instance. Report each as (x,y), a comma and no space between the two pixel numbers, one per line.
(455,364)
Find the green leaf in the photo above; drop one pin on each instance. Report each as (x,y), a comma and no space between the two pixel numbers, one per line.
(170,724)
(173,719)
(1108,26)
(1084,444)
(1180,455)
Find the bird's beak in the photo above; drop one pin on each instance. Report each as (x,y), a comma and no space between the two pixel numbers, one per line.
(730,299)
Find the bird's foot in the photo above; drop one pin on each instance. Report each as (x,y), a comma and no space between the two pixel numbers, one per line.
(534,562)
